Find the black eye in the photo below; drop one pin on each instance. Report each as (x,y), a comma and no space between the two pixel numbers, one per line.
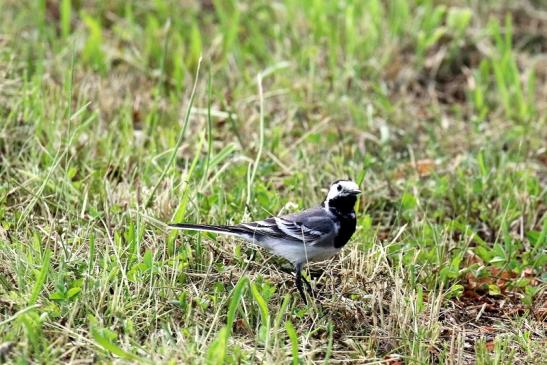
(339,187)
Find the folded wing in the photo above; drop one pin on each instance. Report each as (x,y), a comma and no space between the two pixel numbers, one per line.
(309,227)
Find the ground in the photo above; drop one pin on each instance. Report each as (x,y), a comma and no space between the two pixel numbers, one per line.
(117,118)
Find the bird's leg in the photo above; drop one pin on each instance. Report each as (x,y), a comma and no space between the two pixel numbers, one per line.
(299,283)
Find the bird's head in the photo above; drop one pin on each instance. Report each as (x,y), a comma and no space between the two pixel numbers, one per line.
(342,195)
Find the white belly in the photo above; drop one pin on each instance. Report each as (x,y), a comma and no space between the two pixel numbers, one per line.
(299,253)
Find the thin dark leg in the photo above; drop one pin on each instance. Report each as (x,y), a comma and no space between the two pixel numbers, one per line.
(299,283)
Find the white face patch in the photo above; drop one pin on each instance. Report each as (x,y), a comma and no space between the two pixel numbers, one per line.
(341,188)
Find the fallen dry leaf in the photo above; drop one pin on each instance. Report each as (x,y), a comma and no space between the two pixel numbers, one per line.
(393,359)
(422,167)
(472,258)
(487,329)
(425,167)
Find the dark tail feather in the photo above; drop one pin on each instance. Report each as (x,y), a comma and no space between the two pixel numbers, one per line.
(229,230)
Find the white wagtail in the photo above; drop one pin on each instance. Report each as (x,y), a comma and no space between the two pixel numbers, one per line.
(314,234)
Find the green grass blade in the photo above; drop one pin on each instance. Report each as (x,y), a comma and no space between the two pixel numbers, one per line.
(237,294)
(66,15)
(41,278)
(109,346)
(216,353)
(264,312)
(291,332)
(180,139)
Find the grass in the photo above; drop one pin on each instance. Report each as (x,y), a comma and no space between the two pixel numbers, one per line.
(119,117)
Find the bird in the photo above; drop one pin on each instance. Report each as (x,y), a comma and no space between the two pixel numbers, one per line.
(312,235)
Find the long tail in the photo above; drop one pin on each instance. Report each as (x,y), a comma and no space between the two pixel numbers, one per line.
(227,230)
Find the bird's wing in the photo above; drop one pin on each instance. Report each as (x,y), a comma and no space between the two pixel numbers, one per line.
(309,226)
